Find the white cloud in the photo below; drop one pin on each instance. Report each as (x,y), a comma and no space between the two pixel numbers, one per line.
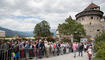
(17,25)
(17,13)
(23,15)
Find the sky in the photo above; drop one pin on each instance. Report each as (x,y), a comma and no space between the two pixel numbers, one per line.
(23,15)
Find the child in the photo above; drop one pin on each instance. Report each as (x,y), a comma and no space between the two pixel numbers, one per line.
(90,51)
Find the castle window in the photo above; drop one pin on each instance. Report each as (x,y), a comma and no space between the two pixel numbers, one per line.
(91,17)
(82,18)
(98,29)
(97,18)
(90,23)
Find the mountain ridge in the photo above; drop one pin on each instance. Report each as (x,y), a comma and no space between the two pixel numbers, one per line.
(10,32)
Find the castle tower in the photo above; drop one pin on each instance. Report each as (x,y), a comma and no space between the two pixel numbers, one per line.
(92,19)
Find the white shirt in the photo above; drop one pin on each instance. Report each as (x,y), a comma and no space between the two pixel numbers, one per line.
(90,51)
(47,46)
(85,46)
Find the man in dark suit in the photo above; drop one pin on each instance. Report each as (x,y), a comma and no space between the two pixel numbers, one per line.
(40,48)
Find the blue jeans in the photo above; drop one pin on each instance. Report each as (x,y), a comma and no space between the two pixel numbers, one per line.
(81,53)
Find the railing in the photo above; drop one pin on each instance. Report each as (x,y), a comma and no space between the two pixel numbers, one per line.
(25,54)
(5,54)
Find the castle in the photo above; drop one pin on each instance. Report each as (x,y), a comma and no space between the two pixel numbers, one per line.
(92,19)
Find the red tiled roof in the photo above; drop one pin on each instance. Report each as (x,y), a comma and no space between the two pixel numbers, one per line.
(92,5)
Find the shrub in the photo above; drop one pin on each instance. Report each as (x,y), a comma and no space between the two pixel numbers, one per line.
(100,46)
(97,58)
(101,54)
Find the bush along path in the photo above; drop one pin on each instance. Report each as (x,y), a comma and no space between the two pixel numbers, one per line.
(100,46)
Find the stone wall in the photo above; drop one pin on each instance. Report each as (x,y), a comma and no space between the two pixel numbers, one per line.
(92,24)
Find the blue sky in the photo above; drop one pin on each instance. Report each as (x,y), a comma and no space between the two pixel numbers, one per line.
(23,15)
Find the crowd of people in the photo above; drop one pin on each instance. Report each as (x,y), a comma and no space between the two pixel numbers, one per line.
(80,47)
(25,49)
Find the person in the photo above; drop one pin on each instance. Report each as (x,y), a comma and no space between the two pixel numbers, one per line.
(27,49)
(85,47)
(31,50)
(17,51)
(9,51)
(35,51)
(67,47)
(22,52)
(54,47)
(80,49)
(40,48)
(74,46)
(62,48)
(47,48)
(58,48)
(43,48)
(90,51)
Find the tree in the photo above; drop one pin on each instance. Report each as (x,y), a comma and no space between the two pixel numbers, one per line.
(42,29)
(70,26)
(100,46)
(100,41)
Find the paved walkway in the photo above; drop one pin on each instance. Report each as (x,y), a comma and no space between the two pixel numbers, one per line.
(66,57)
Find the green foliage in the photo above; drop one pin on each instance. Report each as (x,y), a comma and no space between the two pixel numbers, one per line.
(51,40)
(96,58)
(101,54)
(66,40)
(100,41)
(100,37)
(70,26)
(42,29)
(100,46)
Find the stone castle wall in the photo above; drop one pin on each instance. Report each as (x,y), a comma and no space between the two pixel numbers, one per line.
(92,24)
